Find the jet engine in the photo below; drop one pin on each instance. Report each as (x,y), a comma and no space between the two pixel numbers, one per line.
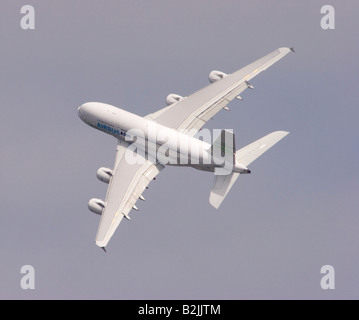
(104,174)
(96,206)
(216,75)
(173,98)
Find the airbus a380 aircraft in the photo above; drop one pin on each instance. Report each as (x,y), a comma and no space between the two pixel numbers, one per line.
(166,137)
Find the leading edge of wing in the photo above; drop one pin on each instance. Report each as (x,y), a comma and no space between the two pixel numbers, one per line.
(125,187)
(185,113)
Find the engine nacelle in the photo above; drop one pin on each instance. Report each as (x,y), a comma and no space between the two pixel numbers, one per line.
(96,206)
(104,174)
(173,98)
(216,75)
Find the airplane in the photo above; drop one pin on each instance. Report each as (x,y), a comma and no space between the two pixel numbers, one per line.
(145,145)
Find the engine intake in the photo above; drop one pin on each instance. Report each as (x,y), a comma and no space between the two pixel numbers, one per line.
(173,98)
(96,206)
(216,75)
(104,174)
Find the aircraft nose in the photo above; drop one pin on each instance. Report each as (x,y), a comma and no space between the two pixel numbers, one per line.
(87,111)
(90,110)
(80,112)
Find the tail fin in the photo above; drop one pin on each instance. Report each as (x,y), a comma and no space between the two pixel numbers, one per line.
(223,152)
(244,156)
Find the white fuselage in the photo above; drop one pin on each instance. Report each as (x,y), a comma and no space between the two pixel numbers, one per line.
(166,145)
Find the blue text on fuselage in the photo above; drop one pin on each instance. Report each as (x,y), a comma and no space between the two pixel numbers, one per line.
(112,130)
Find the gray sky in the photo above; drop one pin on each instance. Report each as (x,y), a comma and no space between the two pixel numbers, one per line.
(296,212)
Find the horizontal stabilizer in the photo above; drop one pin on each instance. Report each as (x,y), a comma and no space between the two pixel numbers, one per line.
(244,156)
(222,185)
(251,152)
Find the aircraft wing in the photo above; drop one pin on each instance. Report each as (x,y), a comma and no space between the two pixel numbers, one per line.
(126,185)
(191,113)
